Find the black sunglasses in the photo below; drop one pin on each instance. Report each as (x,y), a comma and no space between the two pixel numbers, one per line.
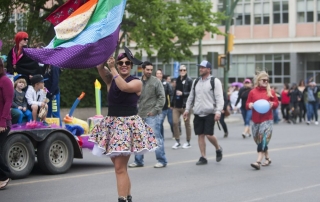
(126,62)
(25,39)
(264,80)
(183,70)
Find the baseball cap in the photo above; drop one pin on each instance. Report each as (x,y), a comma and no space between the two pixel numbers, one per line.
(37,79)
(247,81)
(205,64)
(18,76)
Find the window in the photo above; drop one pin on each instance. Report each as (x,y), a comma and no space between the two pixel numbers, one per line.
(261,12)
(242,13)
(318,10)
(280,11)
(245,66)
(305,10)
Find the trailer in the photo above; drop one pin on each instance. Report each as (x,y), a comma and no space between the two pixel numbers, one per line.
(54,149)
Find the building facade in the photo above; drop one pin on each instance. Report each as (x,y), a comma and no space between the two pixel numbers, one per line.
(279,36)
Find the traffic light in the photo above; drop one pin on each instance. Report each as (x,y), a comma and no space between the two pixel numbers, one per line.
(212,57)
(221,60)
(230,42)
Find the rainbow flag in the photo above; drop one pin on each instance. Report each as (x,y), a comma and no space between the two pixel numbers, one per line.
(86,38)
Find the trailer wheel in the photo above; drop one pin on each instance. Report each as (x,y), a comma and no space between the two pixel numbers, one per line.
(55,154)
(19,155)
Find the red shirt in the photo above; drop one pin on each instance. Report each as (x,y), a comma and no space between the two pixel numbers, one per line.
(285,98)
(261,93)
(6,98)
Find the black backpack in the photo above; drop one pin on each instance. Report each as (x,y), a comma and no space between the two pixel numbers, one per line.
(195,83)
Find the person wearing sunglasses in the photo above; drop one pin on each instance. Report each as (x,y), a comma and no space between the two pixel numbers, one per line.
(122,132)
(20,63)
(178,104)
(262,123)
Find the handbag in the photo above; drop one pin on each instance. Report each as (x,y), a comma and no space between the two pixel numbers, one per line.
(226,112)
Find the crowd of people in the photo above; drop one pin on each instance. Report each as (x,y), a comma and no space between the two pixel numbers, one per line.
(36,85)
(139,106)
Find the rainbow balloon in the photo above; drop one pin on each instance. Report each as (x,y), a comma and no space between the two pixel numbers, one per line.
(86,38)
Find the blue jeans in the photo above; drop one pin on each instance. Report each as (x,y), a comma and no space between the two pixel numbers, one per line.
(54,107)
(166,113)
(312,110)
(23,114)
(246,115)
(275,115)
(154,123)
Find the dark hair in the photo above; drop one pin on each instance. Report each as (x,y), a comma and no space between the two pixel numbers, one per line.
(159,70)
(2,72)
(286,85)
(121,56)
(301,81)
(146,63)
(165,77)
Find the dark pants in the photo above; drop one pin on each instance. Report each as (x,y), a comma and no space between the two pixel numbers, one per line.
(285,111)
(15,115)
(223,123)
(4,170)
(303,111)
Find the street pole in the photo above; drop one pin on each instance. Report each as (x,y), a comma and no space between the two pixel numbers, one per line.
(229,6)
(200,54)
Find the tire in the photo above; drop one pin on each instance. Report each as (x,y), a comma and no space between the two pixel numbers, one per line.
(55,154)
(18,152)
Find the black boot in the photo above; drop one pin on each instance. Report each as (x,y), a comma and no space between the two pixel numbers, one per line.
(122,199)
(129,198)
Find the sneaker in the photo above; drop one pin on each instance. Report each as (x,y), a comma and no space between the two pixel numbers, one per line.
(159,165)
(134,165)
(316,123)
(3,184)
(176,145)
(308,122)
(225,135)
(45,123)
(202,161)
(219,154)
(244,135)
(186,145)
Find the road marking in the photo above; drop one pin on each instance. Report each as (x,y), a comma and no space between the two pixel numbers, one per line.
(283,193)
(176,163)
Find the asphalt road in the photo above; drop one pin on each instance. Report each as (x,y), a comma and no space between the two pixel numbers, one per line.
(293,175)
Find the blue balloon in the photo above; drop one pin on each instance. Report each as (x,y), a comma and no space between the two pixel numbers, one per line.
(261,106)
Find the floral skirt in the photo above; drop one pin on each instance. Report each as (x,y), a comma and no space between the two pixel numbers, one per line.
(123,136)
(262,133)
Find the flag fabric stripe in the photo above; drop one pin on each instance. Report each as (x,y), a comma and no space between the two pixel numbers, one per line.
(103,8)
(78,56)
(64,11)
(95,31)
(76,22)
(92,46)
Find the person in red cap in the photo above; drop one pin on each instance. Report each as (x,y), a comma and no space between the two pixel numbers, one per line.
(20,63)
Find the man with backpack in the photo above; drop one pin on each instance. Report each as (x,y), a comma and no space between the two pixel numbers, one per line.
(206,98)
